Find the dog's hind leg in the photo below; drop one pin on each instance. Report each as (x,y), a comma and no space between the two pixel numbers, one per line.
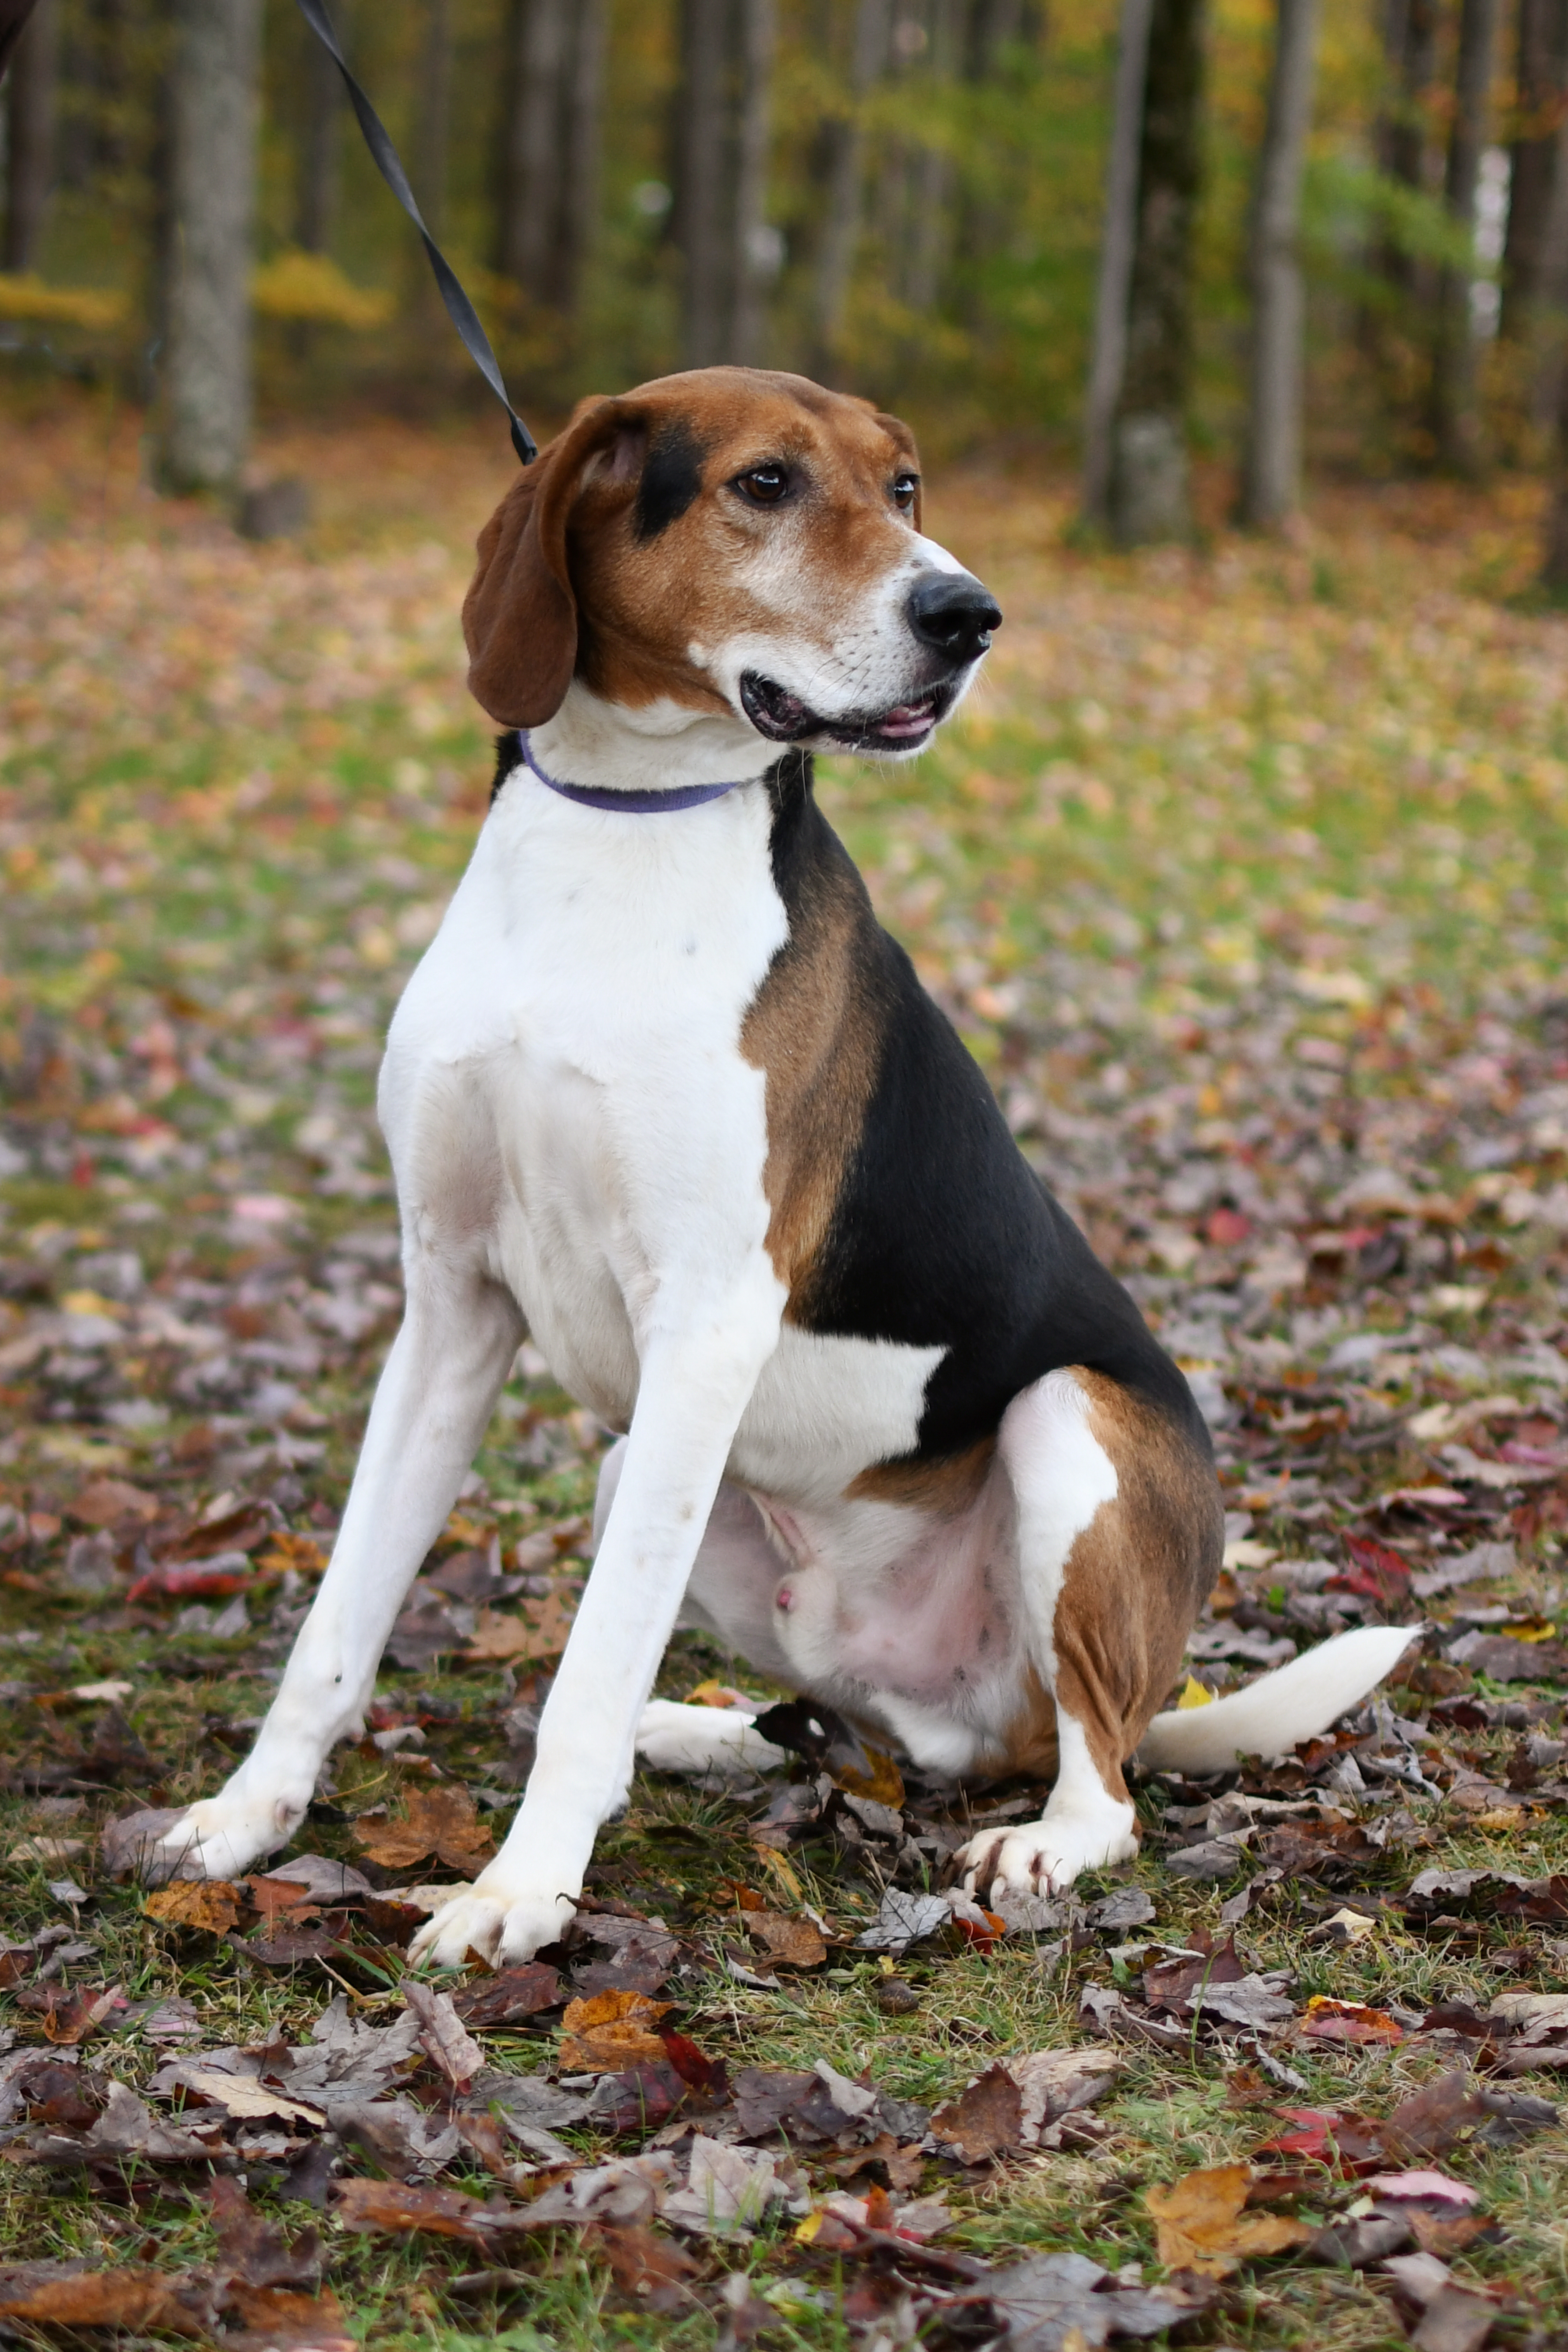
(1120,1533)
(459,1335)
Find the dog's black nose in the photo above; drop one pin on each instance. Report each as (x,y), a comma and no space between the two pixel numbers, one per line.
(953,613)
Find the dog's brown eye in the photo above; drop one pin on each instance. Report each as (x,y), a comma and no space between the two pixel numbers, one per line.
(764,485)
(904,489)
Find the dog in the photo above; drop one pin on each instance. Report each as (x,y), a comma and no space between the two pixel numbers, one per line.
(663,1095)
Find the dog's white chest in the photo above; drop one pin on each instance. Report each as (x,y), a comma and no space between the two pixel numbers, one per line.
(564,1091)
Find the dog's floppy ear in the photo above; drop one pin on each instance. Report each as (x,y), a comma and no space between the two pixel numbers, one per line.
(520,615)
(898,432)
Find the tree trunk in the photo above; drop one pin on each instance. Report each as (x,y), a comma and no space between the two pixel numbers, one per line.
(533,177)
(932,176)
(754,261)
(1554,569)
(435,121)
(1454,419)
(579,213)
(30,136)
(701,179)
(1272,476)
(1108,359)
(206,421)
(316,200)
(1543,89)
(846,183)
(1148,497)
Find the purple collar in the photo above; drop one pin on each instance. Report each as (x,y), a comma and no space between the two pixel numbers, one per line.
(683,796)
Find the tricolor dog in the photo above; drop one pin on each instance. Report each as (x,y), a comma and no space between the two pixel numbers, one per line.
(664,1096)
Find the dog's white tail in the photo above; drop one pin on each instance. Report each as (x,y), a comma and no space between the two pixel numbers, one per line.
(1268,1718)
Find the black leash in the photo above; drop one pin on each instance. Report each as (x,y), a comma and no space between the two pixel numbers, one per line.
(384,154)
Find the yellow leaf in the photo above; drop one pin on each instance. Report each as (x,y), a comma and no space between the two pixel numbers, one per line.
(1203,2226)
(309,286)
(213,1905)
(1194,1695)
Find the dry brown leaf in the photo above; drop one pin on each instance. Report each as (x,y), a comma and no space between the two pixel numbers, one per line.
(138,2300)
(443,2036)
(985,2120)
(213,1904)
(393,2205)
(276,2320)
(795,1943)
(104,1500)
(538,1632)
(611,2031)
(440,1821)
(244,2095)
(286,1552)
(71,2018)
(1203,2225)
(509,1995)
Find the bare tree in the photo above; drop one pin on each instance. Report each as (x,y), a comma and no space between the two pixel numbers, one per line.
(30,136)
(753,261)
(846,181)
(1536,250)
(434,125)
(1149,492)
(932,192)
(213,96)
(1118,242)
(723,128)
(1271,473)
(550,159)
(1453,416)
(317,183)
(701,170)
(1555,567)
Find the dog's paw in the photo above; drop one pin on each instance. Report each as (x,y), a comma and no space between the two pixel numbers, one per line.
(502,1930)
(1044,1857)
(221,1837)
(673,1738)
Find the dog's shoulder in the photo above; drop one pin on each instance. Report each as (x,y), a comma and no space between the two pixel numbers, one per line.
(902,1207)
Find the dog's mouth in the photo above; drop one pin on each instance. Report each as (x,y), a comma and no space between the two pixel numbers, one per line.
(783,718)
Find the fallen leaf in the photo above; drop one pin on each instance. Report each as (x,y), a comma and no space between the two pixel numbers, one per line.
(793,1943)
(401,2206)
(1203,2225)
(1422,2184)
(256,2251)
(104,1500)
(137,2300)
(443,2037)
(245,2095)
(273,2319)
(538,1633)
(1057,2082)
(510,1995)
(880,1779)
(441,1821)
(985,2120)
(611,2031)
(71,2018)
(1348,2020)
(694,2068)
(213,1905)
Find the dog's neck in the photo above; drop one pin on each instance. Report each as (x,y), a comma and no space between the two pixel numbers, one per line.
(658,748)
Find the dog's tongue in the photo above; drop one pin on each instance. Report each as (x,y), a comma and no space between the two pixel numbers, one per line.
(905,719)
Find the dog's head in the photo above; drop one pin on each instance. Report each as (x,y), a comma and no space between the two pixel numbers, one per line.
(727,541)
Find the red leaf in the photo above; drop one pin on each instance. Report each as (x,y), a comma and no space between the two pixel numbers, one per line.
(1226,1227)
(694,2066)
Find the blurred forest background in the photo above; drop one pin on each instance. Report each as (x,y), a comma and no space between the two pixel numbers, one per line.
(969,209)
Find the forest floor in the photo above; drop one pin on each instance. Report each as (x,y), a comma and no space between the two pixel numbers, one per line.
(1242,876)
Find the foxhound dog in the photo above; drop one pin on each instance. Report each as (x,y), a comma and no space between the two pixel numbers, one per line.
(663,1095)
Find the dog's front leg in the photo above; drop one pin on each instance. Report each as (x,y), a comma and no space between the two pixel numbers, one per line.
(459,1335)
(692,1390)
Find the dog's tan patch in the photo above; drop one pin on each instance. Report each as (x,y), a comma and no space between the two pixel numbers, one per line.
(945,1488)
(813,1030)
(1131,1588)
